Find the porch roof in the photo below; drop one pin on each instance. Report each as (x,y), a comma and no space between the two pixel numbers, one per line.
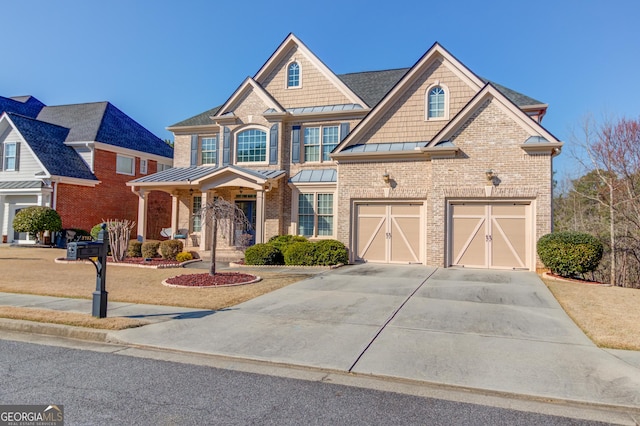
(21,184)
(195,173)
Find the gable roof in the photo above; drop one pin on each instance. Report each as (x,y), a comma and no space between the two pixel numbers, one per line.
(250,85)
(47,143)
(489,91)
(292,41)
(103,122)
(370,86)
(23,105)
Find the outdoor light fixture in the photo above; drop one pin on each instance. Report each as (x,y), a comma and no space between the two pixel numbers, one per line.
(490,174)
(385,177)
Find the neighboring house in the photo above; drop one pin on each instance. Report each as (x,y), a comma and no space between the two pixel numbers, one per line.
(429,164)
(77,160)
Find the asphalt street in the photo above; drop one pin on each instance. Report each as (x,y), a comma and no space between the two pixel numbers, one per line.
(99,388)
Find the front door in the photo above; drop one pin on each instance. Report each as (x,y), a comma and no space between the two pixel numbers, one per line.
(248,207)
(389,233)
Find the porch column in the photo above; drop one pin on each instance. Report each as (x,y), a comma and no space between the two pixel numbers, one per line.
(204,228)
(259,216)
(175,200)
(142,214)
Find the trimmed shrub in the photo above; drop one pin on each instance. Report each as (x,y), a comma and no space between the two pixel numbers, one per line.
(183,256)
(169,249)
(36,220)
(263,254)
(150,249)
(300,253)
(95,231)
(134,249)
(330,252)
(282,241)
(570,253)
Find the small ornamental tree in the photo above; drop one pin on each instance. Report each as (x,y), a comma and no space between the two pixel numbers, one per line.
(223,216)
(119,234)
(36,220)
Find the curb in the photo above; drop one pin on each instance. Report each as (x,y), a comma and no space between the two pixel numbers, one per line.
(72,332)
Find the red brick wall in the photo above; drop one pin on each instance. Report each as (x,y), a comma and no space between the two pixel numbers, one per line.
(83,207)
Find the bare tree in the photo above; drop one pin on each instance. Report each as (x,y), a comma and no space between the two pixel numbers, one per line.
(224,217)
(611,152)
(119,234)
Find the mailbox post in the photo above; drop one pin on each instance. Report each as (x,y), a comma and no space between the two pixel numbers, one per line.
(88,250)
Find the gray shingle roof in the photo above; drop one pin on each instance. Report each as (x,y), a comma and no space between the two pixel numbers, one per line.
(47,143)
(371,86)
(201,119)
(315,176)
(517,98)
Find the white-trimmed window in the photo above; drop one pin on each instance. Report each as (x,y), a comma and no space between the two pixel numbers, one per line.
(162,167)
(196,224)
(125,165)
(143,166)
(315,214)
(319,142)
(437,103)
(251,146)
(10,156)
(293,75)
(209,150)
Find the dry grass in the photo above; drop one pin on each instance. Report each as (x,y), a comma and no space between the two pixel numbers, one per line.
(33,271)
(608,315)
(68,318)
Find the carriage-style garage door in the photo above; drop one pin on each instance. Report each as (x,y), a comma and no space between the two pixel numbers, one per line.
(490,235)
(389,233)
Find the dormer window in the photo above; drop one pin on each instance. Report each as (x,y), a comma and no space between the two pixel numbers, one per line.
(437,103)
(293,75)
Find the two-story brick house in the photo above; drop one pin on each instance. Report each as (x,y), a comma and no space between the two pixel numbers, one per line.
(77,160)
(429,164)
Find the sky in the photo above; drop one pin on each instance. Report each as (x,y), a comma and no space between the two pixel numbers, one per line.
(163,61)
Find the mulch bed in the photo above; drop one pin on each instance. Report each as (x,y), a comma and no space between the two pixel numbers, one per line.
(156,261)
(220,279)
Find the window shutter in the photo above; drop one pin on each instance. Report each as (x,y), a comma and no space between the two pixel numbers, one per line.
(194,150)
(344,131)
(295,144)
(226,146)
(217,150)
(273,144)
(1,157)
(17,156)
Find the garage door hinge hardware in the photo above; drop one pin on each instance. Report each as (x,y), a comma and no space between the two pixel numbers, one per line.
(488,238)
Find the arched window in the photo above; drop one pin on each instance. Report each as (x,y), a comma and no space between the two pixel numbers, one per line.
(436,103)
(293,75)
(251,146)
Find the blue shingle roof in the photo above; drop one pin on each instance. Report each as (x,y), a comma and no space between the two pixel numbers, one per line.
(103,122)
(23,105)
(47,143)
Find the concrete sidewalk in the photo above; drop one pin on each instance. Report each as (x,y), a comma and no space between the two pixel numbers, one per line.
(492,330)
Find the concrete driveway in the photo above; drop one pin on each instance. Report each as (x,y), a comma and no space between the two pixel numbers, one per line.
(496,330)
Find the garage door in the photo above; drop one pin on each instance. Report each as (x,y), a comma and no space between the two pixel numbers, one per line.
(495,235)
(389,233)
